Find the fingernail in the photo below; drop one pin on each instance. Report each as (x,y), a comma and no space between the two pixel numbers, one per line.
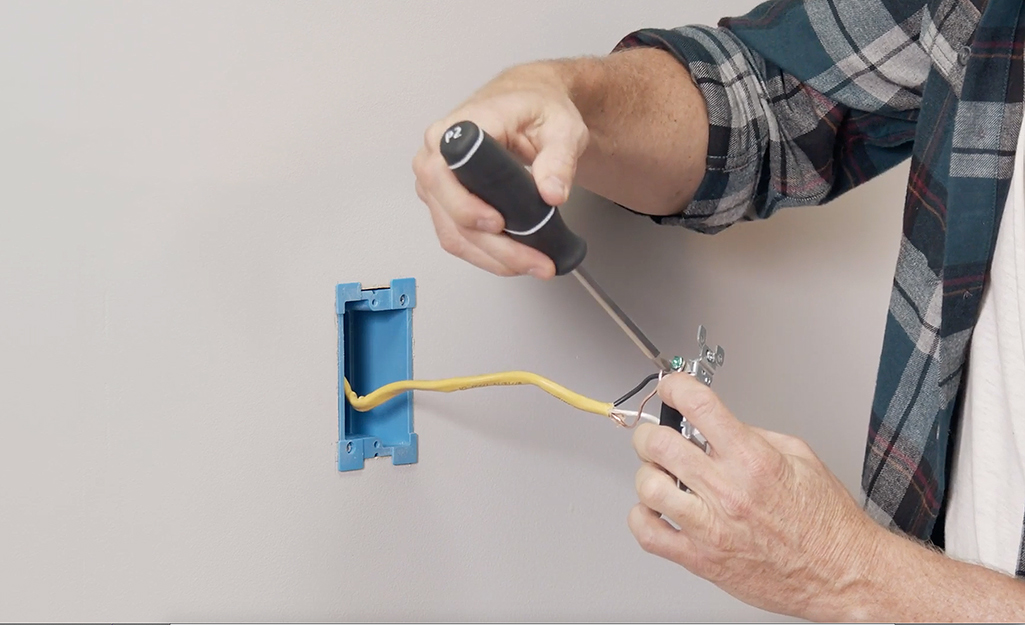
(488,225)
(534,272)
(556,188)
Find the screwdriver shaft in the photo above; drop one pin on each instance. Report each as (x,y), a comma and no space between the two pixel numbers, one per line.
(621,318)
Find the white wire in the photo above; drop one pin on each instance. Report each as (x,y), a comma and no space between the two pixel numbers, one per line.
(633,414)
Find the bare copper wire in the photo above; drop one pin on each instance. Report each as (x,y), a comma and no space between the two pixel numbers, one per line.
(618,415)
(640,408)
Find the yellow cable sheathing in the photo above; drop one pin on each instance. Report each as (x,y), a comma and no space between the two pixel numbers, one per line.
(507,378)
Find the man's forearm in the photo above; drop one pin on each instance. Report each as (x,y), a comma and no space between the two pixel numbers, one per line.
(911,582)
(648,128)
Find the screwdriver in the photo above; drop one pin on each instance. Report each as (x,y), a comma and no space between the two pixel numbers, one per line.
(489,171)
(493,174)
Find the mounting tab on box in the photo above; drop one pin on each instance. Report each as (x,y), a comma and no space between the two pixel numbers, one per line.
(375,347)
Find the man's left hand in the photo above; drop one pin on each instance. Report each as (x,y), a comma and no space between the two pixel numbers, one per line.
(765,520)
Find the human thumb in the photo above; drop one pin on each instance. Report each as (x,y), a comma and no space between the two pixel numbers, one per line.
(560,144)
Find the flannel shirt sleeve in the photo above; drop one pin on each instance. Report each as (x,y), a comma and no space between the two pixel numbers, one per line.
(806,100)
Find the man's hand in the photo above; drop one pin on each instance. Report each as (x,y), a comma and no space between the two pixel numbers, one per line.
(527,109)
(631,127)
(766,520)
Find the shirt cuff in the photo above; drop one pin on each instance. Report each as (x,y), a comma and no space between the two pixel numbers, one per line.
(722,69)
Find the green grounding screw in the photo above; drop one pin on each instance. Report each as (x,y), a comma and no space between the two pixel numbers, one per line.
(676,363)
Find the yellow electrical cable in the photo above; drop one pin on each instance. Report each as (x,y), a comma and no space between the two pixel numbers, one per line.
(388,391)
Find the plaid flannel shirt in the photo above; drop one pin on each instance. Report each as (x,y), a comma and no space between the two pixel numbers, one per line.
(810,98)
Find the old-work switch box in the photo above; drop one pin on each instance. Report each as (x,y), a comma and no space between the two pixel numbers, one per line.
(375,347)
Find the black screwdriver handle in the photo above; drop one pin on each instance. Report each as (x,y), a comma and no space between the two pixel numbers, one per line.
(494,175)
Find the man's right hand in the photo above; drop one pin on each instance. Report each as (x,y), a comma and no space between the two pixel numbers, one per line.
(527,109)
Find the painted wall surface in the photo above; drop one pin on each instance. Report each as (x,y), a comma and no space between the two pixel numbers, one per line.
(182,185)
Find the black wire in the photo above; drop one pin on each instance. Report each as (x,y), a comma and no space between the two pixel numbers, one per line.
(636,389)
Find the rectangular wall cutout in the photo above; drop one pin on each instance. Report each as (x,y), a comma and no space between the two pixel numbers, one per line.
(375,347)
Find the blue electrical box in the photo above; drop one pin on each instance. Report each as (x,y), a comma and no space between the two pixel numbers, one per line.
(375,347)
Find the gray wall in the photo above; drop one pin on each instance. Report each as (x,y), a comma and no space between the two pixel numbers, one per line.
(183,184)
